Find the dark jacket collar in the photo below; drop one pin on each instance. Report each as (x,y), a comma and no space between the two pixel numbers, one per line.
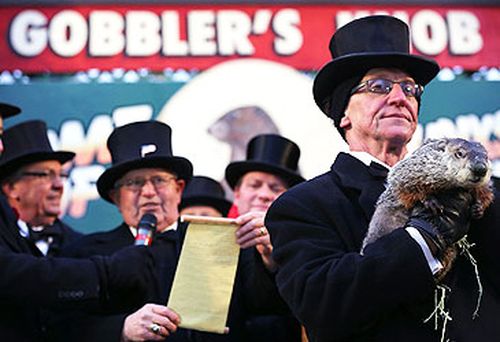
(9,231)
(368,182)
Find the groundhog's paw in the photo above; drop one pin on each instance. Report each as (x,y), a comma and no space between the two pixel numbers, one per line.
(433,204)
(477,210)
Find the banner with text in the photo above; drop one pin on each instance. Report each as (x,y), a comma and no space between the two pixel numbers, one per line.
(71,38)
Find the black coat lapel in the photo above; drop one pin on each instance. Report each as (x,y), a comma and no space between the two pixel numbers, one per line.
(9,230)
(360,184)
(356,175)
(374,186)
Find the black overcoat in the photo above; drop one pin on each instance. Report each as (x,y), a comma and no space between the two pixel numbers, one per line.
(80,326)
(67,238)
(27,282)
(252,287)
(317,229)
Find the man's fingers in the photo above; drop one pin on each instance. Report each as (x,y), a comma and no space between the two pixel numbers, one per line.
(263,240)
(166,312)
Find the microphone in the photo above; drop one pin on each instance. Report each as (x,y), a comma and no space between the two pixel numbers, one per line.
(145,230)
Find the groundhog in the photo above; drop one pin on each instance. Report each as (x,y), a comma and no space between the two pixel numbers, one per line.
(438,166)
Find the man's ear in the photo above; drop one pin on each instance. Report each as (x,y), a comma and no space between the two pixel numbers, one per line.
(115,196)
(181,184)
(9,190)
(236,193)
(345,122)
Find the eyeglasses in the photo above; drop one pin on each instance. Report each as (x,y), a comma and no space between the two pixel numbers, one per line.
(383,86)
(136,184)
(46,175)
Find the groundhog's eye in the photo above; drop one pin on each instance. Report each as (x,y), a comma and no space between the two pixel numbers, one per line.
(460,154)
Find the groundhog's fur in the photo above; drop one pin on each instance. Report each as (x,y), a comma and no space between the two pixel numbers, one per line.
(438,166)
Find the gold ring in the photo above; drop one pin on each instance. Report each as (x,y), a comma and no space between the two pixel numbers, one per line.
(262,231)
(155,328)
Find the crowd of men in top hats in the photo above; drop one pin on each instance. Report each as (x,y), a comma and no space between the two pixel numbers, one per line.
(299,264)
(145,177)
(31,285)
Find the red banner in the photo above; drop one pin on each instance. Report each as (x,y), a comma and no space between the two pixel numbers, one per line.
(68,39)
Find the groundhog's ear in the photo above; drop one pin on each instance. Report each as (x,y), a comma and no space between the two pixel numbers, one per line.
(441,144)
(437,144)
(429,141)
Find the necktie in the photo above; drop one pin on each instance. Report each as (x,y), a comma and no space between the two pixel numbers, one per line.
(50,234)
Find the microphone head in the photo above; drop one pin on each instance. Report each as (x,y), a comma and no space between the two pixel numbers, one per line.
(148,220)
(145,230)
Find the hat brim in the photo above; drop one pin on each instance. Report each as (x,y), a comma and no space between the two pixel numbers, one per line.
(220,204)
(178,165)
(236,170)
(7,110)
(422,69)
(14,164)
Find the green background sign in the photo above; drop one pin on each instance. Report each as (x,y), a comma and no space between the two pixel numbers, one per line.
(80,116)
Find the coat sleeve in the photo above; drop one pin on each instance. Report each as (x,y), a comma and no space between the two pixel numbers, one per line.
(48,281)
(258,285)
(336,292)
(109,284)
(485,234)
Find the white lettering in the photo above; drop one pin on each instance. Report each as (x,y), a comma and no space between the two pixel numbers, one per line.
(440,128)
(223,32)
(286,26)
(233,29)
(344,17)
(106,33)
(28,33)
(403,16)
(128,114)
(465,38)
(89,146)
(467,126)
(68,33)
(261,20)
(429,32)
(173,45)
(143,33)
(476,128)
(201,33)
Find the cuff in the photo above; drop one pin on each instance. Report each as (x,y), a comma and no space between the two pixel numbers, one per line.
(434,264)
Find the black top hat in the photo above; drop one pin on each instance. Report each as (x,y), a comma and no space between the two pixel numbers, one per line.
(27,143)
(268,153)
(364,44)
(203,190)
(7,110)
(145,144)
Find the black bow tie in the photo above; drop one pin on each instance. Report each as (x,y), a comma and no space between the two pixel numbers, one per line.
(378,170)
(48,233)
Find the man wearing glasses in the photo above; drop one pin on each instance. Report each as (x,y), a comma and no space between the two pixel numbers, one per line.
(371,90)
(30,283)
(32,177)
(145,178)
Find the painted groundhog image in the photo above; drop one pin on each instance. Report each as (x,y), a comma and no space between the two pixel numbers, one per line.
(440,166)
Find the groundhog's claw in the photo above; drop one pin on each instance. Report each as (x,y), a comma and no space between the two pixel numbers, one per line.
(433,204)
